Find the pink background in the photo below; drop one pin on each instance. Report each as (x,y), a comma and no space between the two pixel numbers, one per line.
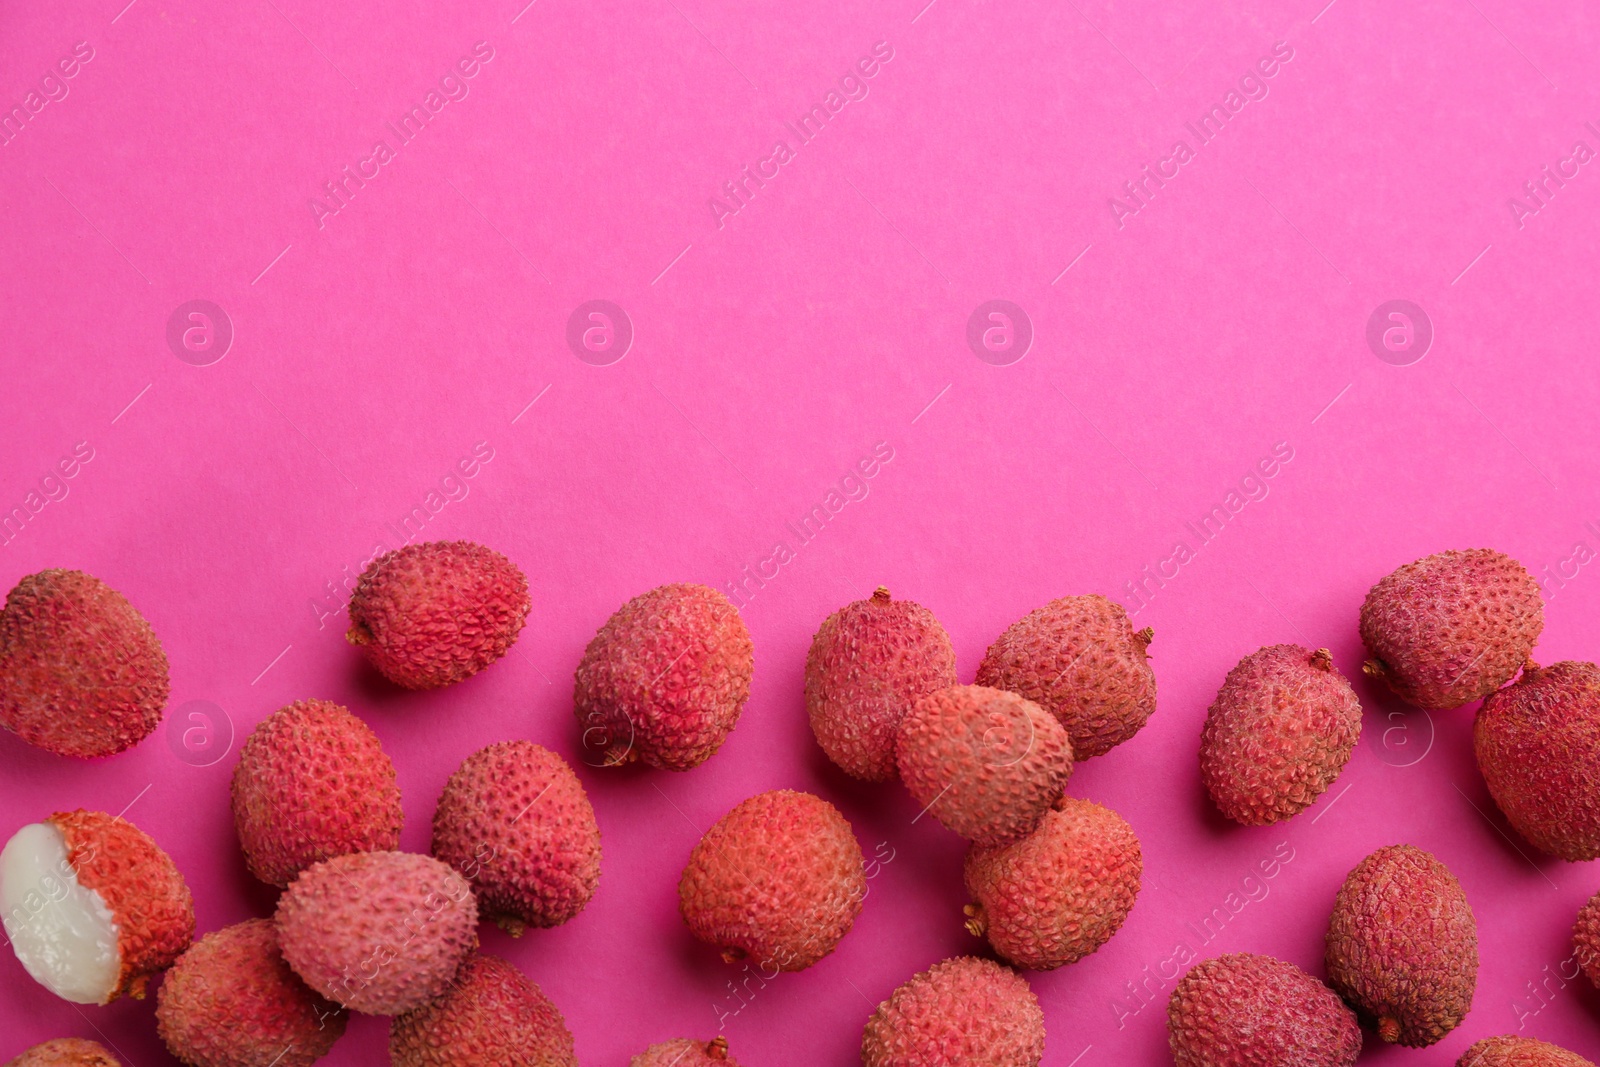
(373,351)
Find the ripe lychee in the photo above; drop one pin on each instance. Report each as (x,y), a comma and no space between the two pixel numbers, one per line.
(490,1015)
(986,763)
(93,906)
(66,1052)
(665,679)
(779,879)
(1059,893)
(1080,659)
(1514,1051)
(81,672)
(1402,946)
(516,822)
(686,1053)
(1451,628)
(1586,939)
(231,1001)
(963,1012)
(1246,1010)
(1278,734)
(1538,746)
(379,932)
(312,783)
(430,615)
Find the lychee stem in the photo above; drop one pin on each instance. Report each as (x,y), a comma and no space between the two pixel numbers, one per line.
(1389,1029)
(1373,669)
(358,634)
(732,955)
(1322,659)
(717,1049)
(1146,635)
(977,923)
(880,595)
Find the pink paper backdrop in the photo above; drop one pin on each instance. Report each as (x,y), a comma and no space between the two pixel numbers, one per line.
(1178,334)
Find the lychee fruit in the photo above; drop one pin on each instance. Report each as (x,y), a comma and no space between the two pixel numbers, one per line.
(963,1012)
(81,672)
(231,1001)
(1451,628)
(93,907)
(430,615)
(378,932)
(312,783)
(1402,946)
(1586,939)
(1538,747)
(67,1052)
(1246,1010)
(779,879)
(665,679)
(686,1053)
(986,763)
(1513,1051)
(1059,893)
(1080,659)
(1278,734)
(491,1015)
(516,822)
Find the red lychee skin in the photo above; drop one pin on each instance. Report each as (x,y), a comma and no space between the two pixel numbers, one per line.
(231,1001)
(684,1052)
(665,679)
(1280,731)
(869,662)
(66,1052)
(1451,628)
(963,1012)
(1080,659)
(81,672)
(433,614)
(779,879)
(1059,893)
(1538,747)
(986,763)
(1513,1051)
(378,932)
(491,1015)
(1586,939)
(141,887)
(312,783)
(1246,1010)
(516,822)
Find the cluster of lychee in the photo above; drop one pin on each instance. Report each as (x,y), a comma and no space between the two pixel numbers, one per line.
(94,908)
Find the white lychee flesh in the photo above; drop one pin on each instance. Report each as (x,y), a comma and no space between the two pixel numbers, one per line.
(62,933)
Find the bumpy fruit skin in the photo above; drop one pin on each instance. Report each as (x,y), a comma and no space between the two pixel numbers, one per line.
(379,932)
(986,763)
(66,1052)
(1059,893)
(516,822)
(869,662)
(81,672)
(1451,628)
(1586,939)
(1513,1051)
(1402,946)
(491,1015)
(1080,659)
(779,879)
(231,1001)
(433,614)
(665,679)
(686,1053)
(312,783)
(963,1012)
(1246,1010)
(1538,746)
(141,887)
(1280,731)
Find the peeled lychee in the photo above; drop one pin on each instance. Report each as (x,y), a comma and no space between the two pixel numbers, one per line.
(1451,628)
(379,932)
(1059,893)
(490,1016)
(93,907)
(986,763)
(870,661)
(66,1052)
(430,615)
(1513,1051)
(231,1001)
(1586,939)
(1402,946)
(963,1012)
(1080,659)
(312,783)
(779,879)
(1278,734)
(665,679)
(81,672)
(516,822)
(686,1053)
(1538,746)
(1246,1010)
